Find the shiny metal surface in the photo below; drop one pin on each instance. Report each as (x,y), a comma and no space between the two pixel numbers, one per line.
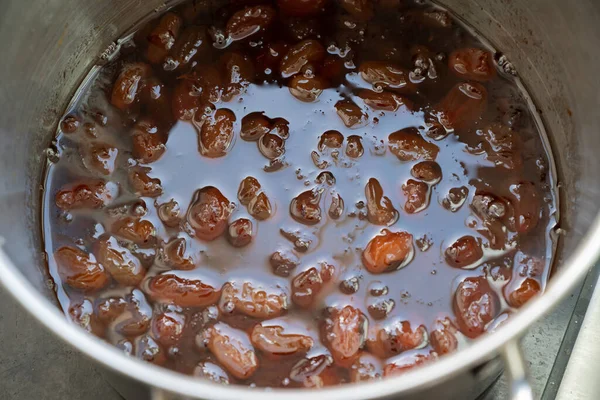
(36,364)
(580,380)
(570,336)
(53,43)
(520,389)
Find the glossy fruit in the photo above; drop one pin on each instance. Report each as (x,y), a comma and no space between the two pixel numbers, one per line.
(307,284)
(129,84)
(305,208)
(273,340)
(366,368)
(183,292)
(405,362)
(442,338)
(493,212)
(330,139)
(408,145)
(91,194)
(472,64)
(249,188)
(122,314)
(233,349)
(216,134)
(307,51)
(388,251)
(237,73)
(385,75)
(456,198)
(80,270)
(526,207)
(143,184)
(351,115)
(175,256)
(354,147)
(271,146)
(386,101)
(208,213)
(528,289)
(124,267)
(380,210)
(162,38)
(212,372)
(248,21)
(187,100)
(464,252)
(325,179)
(417,196)
(102,157)
(463,105)
(434,129)
(283,262)
(254,126)
(306,89)
(82,314)
(148,142)
(475,305)
(169,213)
(427,171)
(108,309)
(189,45)
(344,332)
(254,300)
(139,231)
(243,183)
(240,232)
(136,318)
(70,124)
(397,338)
(168,328)
(148,350)
(310,372)
(381,308)
(336,207)
(207,83)
(502,146)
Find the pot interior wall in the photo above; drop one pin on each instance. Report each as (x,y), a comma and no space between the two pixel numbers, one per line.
(553,46)
(52,46)
(53,43)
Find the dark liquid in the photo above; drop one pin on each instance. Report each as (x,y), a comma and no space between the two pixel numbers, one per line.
(421,292)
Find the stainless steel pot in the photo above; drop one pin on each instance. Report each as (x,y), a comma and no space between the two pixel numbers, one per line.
(47,48)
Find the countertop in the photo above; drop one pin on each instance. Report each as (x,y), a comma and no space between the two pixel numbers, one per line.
(36,365)
(580,378)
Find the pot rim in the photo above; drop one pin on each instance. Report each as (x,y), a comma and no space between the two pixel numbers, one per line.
(443,369)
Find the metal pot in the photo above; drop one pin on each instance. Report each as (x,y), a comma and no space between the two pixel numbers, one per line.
(49,46)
